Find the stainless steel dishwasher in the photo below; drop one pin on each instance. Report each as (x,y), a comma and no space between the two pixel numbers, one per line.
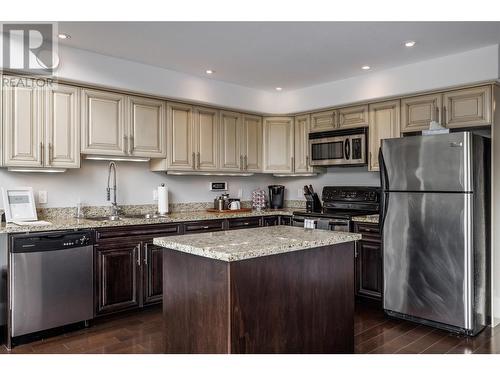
(51,278)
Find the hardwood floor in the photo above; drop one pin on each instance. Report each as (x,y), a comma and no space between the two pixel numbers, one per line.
(141,333)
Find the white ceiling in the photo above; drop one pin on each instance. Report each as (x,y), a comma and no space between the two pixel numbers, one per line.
(292,55)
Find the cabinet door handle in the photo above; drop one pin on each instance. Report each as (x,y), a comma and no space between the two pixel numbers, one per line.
(146,254)
(445,120)
(241,162)
(138,248)
(51,153)
(41,153)
(130,144)
(246,163)
(194,160)
(292,164)
(125,144)
(438,120)
(199,161)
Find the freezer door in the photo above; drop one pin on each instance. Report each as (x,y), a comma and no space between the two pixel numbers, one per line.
(427,257)
(428,163)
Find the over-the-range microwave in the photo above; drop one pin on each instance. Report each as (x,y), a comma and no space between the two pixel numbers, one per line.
(345,147)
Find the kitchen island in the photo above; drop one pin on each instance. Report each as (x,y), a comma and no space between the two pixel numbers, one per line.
(262,290)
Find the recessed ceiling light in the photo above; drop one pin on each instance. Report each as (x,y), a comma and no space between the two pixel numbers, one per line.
(365,67)
(63,36)
(410,43)
(279,88)
(209,71)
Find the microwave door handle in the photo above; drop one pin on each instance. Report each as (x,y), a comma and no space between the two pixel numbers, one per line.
(347,148)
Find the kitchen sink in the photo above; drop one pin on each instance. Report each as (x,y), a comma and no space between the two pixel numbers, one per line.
(143,216)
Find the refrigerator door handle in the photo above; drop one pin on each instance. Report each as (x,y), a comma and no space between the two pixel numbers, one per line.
(384,185)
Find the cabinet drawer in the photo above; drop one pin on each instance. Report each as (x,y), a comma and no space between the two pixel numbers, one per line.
(245,222)
(269,221)
(369,232)
(285,220)
(204,226)
(151,230)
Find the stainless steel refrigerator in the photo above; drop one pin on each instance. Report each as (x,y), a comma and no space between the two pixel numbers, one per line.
(435,225)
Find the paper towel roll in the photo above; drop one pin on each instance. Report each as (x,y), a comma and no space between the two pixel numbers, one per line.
(162,199)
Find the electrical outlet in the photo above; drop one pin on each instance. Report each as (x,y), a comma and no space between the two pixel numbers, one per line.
(240,192)
(42,197)
(155,194)
(300,193)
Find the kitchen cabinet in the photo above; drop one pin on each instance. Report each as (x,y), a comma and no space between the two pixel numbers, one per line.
(104,127)
(417,112)
(467,107)
(181,155)
(270,221)
(252,143)
(244,222)
(146,133)
(206,139)
(285,220)
(117,273)
(204,226)
(301,144)
(323,121)
(384,124)
(23,126)
(353,117)
(1,120)
(231,157)
(278,144)
(369,262)
(128,267)
(41,127)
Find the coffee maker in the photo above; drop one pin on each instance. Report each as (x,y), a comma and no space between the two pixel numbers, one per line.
(276,196)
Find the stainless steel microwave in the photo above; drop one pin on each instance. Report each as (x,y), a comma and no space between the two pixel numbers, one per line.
(338,147)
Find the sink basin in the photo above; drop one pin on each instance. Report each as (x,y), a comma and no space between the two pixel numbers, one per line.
(104,218)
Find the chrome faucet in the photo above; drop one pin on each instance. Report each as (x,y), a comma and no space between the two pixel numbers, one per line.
(114,209)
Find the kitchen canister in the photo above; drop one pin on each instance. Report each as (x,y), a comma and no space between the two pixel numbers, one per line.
(259,199)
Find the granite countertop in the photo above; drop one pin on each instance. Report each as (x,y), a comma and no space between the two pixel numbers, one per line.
(373,219)
(71,223)
(243,244)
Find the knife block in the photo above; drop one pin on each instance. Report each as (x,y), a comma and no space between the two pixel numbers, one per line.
(313,204)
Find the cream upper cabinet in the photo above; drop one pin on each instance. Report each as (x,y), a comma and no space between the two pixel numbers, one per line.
(323,121)
(252,143)
(1,120)
(417,112)
(23,126)
(62,130)
(147,127)
(301,149)
(104,129)
(468,107)
(206,138)
(181,155)
(231,157)
(353,117)
(278,144)
(384,124)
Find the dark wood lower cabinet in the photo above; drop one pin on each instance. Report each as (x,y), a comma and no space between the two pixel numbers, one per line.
(369,266)
(117,275)
(153,273)
(270,221)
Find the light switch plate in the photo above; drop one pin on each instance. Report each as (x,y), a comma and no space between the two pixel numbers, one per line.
(42,196)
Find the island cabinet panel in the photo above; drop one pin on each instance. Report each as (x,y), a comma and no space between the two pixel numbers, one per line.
(297,302)
(196,304)
(153,273)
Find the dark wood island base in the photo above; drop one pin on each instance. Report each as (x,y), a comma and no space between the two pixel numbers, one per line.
(296,302)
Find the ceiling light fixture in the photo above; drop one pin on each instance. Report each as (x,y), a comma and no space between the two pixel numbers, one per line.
(410,43)
(366,67)
(209,71)
(63,36)
(279,88)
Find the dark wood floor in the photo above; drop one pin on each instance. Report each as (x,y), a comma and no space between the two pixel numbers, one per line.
(141,332)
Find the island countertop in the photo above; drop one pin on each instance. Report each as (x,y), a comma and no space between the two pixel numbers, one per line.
(244,244)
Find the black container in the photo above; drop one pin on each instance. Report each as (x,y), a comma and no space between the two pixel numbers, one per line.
(276,196)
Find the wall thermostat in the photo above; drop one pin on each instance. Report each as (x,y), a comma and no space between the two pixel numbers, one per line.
(218,186)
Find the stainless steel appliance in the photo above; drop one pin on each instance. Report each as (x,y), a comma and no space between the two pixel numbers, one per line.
(51,276)
(340,204)
(276,196)
(434,223)
(338,147)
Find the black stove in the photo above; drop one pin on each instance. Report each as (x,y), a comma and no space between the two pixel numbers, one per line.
(341,203)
